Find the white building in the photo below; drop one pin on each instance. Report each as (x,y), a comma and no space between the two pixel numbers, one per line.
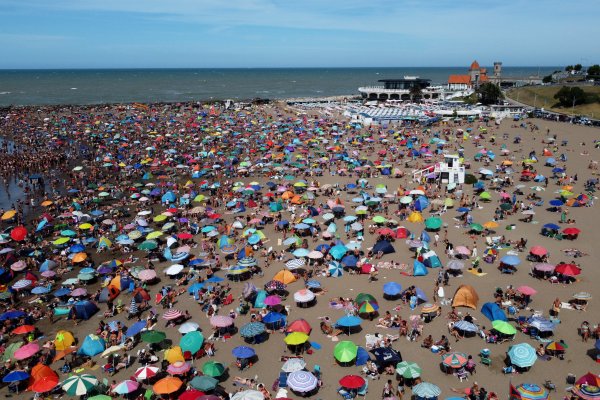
(450,170)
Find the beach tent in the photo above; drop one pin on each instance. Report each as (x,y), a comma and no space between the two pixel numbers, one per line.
(63,340)
(465,296)
(284,276)
(92,345)
(419,269)
(384,247)
(108,294)
(85,309)
(493,312)
(431,259)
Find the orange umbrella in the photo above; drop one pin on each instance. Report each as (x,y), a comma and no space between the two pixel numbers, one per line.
(79,257)
(167,385)
(42,377)
(23,329)
(62,353)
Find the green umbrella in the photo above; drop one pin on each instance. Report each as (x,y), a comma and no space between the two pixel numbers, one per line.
(61,240)
(504,327)
(408,370)
(79,385)
(100,397)
(153,336)
(485,196)
(362,297)
(213,368)
(204,383)
(148,245)
(378,219)
(476,227)
(506,206)
(433,223)
(345,351)
(9,353)
(192,342)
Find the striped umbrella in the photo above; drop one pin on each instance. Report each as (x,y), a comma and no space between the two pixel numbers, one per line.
(248,262)
(126,387)
(335,269)
(302,381)
(522,355)
(172,314)
(454,360)
(178,368)
(22,284)
(79,385)
(295,263)
(531,391)
(465,326)
(426,390)
(145,372)
(133,307)
(229,249)
(408,370)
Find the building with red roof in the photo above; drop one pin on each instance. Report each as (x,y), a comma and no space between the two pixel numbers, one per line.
(474,78)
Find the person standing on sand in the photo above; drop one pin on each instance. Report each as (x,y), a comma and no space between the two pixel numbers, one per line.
(556,307)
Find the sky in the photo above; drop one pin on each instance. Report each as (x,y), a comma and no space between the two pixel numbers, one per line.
(301,33)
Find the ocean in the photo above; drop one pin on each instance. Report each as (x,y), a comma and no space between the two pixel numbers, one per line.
(96,86)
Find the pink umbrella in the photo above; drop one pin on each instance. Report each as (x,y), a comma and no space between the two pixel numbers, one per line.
(463,250)
(544,267)
(48,274)
(183,249)
(221,321)
(178,368)
(27,351)
(172,314)
(538,251)
(147,275)
(18,266)
(126,387)
(526,290)
(145,372)
(79,292)
(272,300)
(504,195)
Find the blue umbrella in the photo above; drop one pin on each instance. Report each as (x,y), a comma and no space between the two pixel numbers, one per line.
(214,279)
(135,328)
(12,315)
(510,260)
(323,248)
(426,390)
(350,260)
(522,355)
(301,226)
(15,376)
(465,326)
(463,210)
(362,356)
(541,324)
(254,239)
(196,287)
(273,317)
(252,329)
(62,292)
(348,321)
(556,203)
(338,251)
(493,312)
(551,226)
(76,248)
(313,284)
(300,252)
(392,288)
(40,290)
(243,352)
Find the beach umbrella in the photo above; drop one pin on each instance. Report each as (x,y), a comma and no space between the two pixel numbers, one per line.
(348,321)
(392,288)
(296,338)
(302,381)
(26,351)
(79,385)
(252,329)
(465,326)
(172,314)
(538,251)
(408,370)
(192,342)
(541,324)
(510,260)
(531,391)
(43,384)
(153,337)
(526,290)
(433,223)
(367,307)
(247,395)
(179,368)
(167,385)
(352,382)
(454,360)
(192,394)
(345,351)
(213,368)
(135,328)
(126,387)
(504,327)
(587,392)
(204,383)
(15,376)
(145,372)
(293,365)
(544,267)
(18,234)
(426,390)
(243,352)
(188,327)
(299,325)
(568,269)
(221,321)
(295,263)
(522,355)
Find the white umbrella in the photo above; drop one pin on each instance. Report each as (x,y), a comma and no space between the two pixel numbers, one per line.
(304,296)
(174,269)
(293,365)
(188,327)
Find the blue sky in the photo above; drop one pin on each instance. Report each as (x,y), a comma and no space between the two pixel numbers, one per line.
(300,33)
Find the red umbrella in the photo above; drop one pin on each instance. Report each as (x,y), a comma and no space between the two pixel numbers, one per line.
(299,325)
(23,329)
(526,290)
(192,394)
(402,233)
(352,382)
(589,379)
(384,231)
(538,251)
(19,233)
(567,231)
(185,235)
(568,269)
(44,384)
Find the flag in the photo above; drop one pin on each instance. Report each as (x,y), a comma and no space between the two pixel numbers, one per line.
(513,393)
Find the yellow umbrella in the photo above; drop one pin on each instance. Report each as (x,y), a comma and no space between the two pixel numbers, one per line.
(47,203)
(61,240)
(200,198)
(8,215)
(63,340)
(154,235)
(415,216)
(87,225)
(174,354)
(159,218)
(296,338)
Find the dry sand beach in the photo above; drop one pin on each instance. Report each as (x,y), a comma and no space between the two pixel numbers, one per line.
(580,151)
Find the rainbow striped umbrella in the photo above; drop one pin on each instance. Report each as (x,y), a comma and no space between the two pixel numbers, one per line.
(531,391)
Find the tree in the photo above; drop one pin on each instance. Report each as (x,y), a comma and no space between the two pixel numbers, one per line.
(569,96)
(489,93)
(594,70)
(547,79)
(578,67)
(569,68)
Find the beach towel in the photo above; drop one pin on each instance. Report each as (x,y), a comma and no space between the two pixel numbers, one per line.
(474,272)
(315,345)
(566,306)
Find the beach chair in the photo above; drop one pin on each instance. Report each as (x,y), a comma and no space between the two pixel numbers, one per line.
(345,394)
(462,374)
(508,370)
(282,381)
(362,391)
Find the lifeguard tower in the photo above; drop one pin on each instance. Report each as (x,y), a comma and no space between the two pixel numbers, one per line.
(450,170)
